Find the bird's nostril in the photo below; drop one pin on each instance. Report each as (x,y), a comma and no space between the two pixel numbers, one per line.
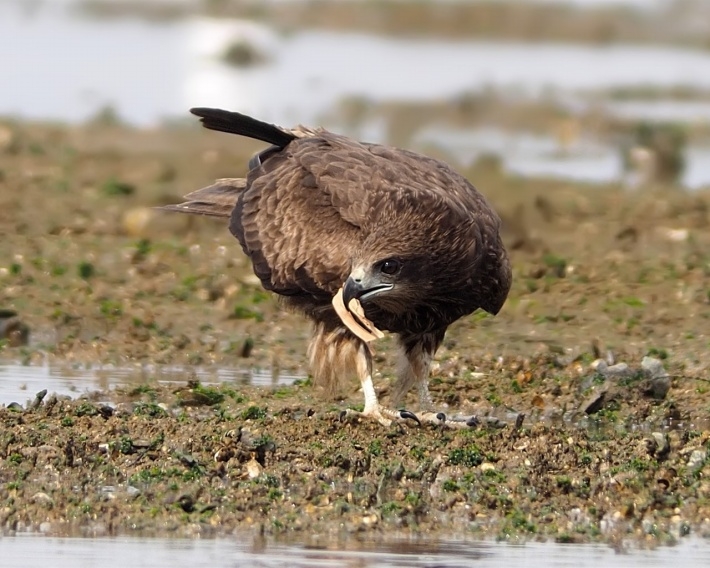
(357,275)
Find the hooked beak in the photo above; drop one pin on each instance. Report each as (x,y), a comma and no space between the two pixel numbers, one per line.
(361,286)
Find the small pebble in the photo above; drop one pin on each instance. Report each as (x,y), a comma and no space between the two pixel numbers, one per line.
(653,367)
(658,445)
(618,371)
(697,460)
(42,498)
(254,468)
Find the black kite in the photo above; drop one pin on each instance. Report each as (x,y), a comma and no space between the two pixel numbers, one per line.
(329,222)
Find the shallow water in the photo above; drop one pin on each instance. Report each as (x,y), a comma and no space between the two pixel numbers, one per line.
(535,155)
(30,551)
(62,67)
(20,383)
(663,110)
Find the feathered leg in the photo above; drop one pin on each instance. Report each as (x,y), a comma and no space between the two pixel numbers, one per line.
(416,354)
(334,353)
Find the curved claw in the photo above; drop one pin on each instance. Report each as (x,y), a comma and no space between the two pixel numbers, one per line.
(404,414)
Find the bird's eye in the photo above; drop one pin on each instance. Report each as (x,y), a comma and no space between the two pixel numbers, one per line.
(390,266)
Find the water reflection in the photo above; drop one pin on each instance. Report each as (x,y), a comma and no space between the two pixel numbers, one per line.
(19,383)
(25,551)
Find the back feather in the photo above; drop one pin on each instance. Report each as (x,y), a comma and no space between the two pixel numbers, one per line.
(243,125)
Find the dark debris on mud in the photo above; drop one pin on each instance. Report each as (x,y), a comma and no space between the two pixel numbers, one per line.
(198,460)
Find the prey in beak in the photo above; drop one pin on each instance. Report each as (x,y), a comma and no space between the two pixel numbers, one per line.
(359,286)
(354,318)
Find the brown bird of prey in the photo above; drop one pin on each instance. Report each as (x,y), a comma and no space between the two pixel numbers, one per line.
(360,237)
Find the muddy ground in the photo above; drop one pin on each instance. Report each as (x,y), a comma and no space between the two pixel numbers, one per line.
(573,445)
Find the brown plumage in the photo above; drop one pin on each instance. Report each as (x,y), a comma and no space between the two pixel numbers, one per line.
(403,233)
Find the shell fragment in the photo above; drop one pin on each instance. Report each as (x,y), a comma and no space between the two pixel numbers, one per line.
(354,318)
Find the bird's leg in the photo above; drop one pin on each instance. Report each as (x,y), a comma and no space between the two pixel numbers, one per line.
(363,364)
(373,409)
(415,362)
(334,354)
(416,353)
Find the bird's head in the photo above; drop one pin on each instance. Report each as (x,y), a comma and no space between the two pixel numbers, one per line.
(428,262)
(397,277)
(399,283)
(380,282)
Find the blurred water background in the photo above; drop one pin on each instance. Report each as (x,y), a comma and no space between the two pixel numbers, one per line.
(550,88)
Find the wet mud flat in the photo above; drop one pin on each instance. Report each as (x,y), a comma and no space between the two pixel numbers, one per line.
(601,346)
(198,461)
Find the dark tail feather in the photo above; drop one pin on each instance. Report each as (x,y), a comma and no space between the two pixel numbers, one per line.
(237,123)
(216,200)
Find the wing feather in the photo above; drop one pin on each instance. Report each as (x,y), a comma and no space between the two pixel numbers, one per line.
(216,200)
(308,207)
(285,222)
(305,208)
